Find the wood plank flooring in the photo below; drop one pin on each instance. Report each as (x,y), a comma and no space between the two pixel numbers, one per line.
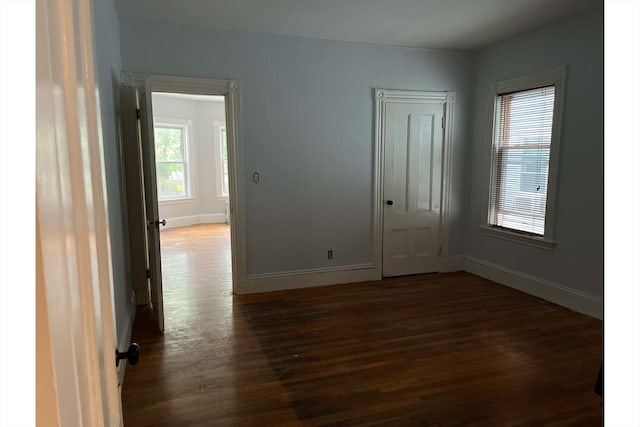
(431,350)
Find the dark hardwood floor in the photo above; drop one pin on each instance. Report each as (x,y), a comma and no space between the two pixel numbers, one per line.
(431,350)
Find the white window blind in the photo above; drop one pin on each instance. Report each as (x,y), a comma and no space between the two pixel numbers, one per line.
(522,147)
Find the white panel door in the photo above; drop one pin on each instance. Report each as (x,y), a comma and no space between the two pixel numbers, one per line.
(151,207)
(134,179)
(73,257)
(412,188)
(138,132)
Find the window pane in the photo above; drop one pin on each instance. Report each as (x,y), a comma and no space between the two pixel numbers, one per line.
(171,183)
(225,165)
(168,144)
(525,171)
(522,142)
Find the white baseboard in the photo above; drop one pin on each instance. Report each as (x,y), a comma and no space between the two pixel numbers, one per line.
(553,292)
(217,218)
(184,221)
(550,291)
(123,344)
(306,278)
(454,263)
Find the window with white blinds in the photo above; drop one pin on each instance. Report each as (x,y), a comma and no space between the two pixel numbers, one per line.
(523,135)
(523,125)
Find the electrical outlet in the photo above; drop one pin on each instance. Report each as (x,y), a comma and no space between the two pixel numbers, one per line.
(330,254)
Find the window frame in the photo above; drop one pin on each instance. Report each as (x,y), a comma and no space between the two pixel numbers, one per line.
(218,127)
(188,156)
(555,77)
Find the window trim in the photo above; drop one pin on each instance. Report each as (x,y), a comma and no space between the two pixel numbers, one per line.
(556,77)
(218,125)
(188,154)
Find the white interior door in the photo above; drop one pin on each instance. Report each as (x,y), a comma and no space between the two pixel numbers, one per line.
(151,206)
(142,195)
(74,283)
(142,198)
(412,188)
(134,179)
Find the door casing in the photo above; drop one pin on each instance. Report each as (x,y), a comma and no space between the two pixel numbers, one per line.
(382,98)
(231,89)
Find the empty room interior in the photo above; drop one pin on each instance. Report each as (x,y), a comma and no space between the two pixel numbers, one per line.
(355,212)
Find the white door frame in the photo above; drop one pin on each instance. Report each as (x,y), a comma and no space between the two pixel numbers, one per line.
(384,97)
(231,90)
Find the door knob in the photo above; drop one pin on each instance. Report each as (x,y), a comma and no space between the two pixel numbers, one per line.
(158,222)
(389,202)
(132,354)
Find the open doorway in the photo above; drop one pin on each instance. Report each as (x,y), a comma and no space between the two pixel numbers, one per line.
(192,176)
(187,174)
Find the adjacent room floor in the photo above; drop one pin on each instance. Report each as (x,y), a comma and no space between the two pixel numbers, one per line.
(435,350)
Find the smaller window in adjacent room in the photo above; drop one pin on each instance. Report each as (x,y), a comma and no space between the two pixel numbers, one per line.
(172,166)
(525,131)
(224,167)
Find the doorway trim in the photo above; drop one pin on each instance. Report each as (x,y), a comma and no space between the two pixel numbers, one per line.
(382,98)
(231,90)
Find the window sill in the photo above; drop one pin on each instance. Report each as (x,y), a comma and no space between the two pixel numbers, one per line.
(177,201)
(538,242)
(224,197)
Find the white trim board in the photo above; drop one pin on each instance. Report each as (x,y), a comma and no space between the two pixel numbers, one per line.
(183,221)
(556,293)
(306,279)
(307,271)
(123,345)
(541,288)
(454,263)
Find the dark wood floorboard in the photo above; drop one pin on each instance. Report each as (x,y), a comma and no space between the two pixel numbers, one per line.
(431,350)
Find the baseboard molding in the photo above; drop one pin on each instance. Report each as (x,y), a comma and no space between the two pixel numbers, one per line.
(549,291)
(553,292)
(454,263)
(309,271)
(184,221)
(306,278)
(123,344)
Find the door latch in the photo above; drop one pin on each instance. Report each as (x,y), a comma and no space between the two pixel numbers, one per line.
(157,223)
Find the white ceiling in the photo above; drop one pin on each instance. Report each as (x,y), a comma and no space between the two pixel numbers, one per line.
(448,24)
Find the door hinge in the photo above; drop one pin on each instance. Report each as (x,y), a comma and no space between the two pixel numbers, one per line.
(148,274)
(442,122)
(137,113)
(440,250)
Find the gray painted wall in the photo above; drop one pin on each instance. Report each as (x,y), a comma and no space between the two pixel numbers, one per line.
(578,259)
(202,115)
(308,129)
(107,52)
